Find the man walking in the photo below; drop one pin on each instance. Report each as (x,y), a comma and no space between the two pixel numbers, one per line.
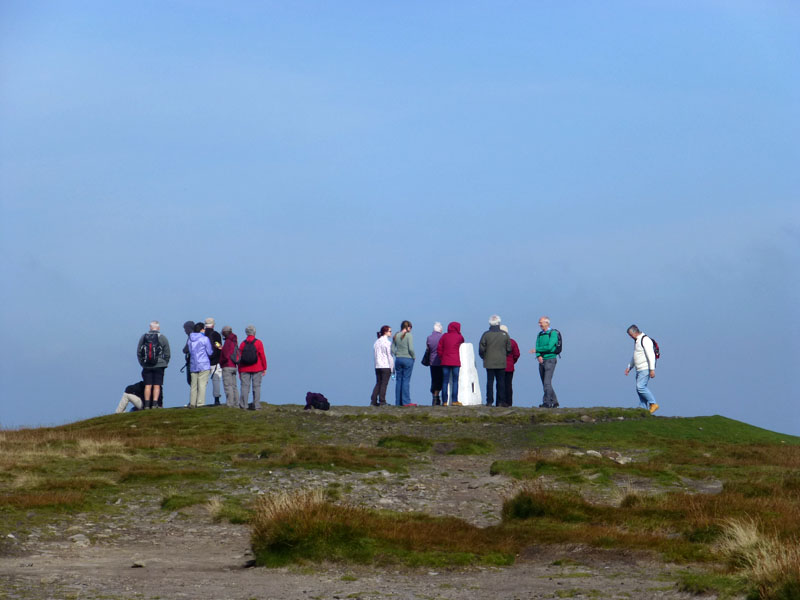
(216,371)
(494,347)
(644,361)
(153,355)
(546,353)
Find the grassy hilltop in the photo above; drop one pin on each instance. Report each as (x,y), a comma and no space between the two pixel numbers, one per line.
(718,496)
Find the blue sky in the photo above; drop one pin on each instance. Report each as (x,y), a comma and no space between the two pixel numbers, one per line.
(320,169)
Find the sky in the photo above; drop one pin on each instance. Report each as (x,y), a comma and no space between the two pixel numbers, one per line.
(320,169)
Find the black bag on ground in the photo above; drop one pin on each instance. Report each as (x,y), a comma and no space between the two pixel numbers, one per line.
(318,401)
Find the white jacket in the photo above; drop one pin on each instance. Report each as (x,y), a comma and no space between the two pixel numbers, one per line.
(644,357)
(383,353)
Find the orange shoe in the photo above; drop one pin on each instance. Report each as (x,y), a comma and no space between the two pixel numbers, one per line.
(653,408)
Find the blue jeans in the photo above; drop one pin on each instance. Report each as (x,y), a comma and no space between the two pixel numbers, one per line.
(402,385)
(645,395)
(446,372)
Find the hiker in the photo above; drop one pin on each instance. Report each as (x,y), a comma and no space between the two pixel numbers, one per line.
(450,359)
(494,347)
(188,327)
(644,361)
(511,360)
(228,361)
(252,367)
(435,363)
(200,351)
(384,366)
(133,395)
(403,352)
(153,355)
(546,351)
(216,371)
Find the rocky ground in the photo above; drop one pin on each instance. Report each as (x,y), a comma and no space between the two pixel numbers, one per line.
(146,552)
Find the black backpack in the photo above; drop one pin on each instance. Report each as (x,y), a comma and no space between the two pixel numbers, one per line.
(559,343)
(249,354)
(151,350)
(236,355)
(318,401)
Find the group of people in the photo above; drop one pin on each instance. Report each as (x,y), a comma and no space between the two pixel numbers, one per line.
(209,355)
(395,356)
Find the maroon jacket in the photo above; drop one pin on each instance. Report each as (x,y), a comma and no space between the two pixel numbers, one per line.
(513,357)
(449,344)
(227,349)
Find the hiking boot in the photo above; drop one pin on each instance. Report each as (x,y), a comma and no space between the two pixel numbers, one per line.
(216,400)
(251,407)
(653,408)
(456,404)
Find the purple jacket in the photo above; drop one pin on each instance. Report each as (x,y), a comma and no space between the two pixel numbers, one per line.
(200,351)
(433,344)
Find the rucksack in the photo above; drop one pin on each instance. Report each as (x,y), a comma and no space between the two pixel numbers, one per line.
(318,401)
(249,354)
(150,350)
(656,349)
(559,343)
(236,355)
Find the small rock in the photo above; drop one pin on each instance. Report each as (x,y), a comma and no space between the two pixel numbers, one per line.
(586,419)
(12,536)
(80,540)
(139,564)
(594,453)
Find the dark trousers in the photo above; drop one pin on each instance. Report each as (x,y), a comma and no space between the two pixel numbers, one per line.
(382,377)
(546,369)
(436,378)
(498,375)
(509,388)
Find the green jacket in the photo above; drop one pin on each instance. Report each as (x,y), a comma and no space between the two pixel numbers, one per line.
(493,348)
(403,347)
(546,343)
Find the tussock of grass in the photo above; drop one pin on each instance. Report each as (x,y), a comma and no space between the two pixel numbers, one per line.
(303,526)
(772,564)
(43,500)
(332,457)
(144,473)
(405,442)
(472,446)
(177,501)
(227,510)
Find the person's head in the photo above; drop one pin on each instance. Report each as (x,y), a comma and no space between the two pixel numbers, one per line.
(494,320)
(385,330)
(437,327)
(250,330)
(209,323)
(226,331)
(504,328)
(544,323)
(634,331)
(198,327)
(155,326)
(188,327)
(405,327)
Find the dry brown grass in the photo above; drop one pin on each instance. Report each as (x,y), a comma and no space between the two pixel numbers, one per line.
(42,499)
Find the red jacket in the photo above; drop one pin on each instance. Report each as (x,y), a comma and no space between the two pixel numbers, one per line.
(449,344)
(513,357)
(260,364)
(227,349)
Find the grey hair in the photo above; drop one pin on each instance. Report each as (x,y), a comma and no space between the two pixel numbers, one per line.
(437,327)
(494,320)
(634,329)
(545,319)
(504,328)
(227,329)
(155,326)
(250,330)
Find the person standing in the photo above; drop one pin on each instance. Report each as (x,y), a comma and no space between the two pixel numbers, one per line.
(403,352)
(494,347)
(644,361)
(216,371)
(432,346)
(200,351)
(511,360)
(252,367)
(384,366)
(153,355)
(450,359)
(228,360)
(546,353)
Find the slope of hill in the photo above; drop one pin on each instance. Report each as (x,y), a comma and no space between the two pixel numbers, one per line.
(420,502)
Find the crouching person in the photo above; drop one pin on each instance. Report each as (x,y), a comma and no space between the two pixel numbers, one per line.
(133,395)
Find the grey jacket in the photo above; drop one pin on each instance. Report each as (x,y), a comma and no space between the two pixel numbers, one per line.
(493,348)
(163,360)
